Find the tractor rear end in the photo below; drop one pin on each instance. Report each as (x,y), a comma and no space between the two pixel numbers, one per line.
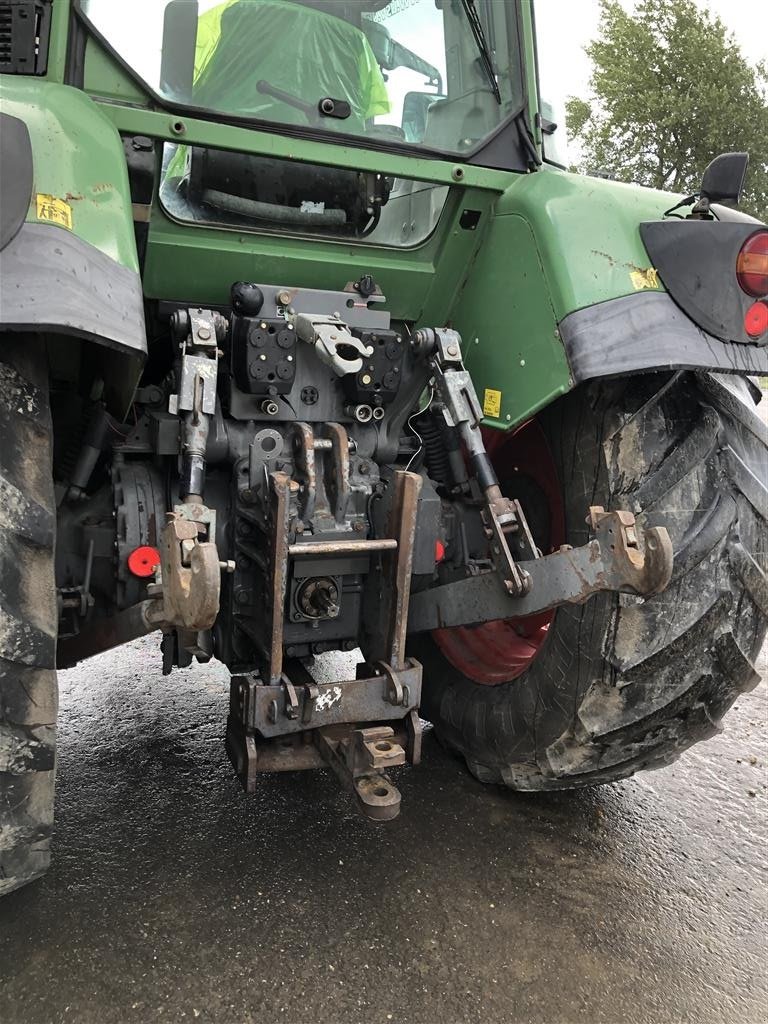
(332,359)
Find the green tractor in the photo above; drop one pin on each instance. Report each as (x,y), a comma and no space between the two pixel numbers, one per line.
(310,345)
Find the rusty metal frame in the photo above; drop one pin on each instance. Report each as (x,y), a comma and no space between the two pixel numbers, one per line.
(303,724)
(339,483)
(299,702)
(389,592)
(279,513)
(304,456)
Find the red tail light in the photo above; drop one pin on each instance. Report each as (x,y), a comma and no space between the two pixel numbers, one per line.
(752,265)
(756,320)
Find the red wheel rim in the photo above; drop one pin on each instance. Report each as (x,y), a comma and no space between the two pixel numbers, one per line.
(497,652)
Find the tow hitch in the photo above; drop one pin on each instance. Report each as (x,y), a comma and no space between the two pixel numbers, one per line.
(283,719)
(305,724)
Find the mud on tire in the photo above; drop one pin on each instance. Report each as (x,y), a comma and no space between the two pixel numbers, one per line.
(621,684)
(27,614)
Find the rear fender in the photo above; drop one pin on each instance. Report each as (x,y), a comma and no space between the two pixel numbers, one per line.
(563,290)
(647,332)
(698,324)
(68,261)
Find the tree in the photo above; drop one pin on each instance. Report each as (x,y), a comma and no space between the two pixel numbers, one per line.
(671,91)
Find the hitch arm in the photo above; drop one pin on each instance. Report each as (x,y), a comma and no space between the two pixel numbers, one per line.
(613,561)
(503,517)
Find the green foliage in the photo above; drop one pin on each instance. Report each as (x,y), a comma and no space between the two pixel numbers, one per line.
(671,91)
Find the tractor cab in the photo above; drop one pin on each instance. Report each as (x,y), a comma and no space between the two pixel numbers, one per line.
(439,79)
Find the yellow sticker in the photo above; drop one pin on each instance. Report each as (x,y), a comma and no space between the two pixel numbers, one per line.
(54,210)
(491,403)
(645,278)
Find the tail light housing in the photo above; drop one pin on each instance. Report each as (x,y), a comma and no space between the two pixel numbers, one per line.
(752,265)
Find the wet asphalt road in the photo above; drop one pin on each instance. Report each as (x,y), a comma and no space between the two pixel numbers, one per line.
(175,898)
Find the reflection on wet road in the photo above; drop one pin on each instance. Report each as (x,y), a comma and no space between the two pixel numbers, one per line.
(176,898)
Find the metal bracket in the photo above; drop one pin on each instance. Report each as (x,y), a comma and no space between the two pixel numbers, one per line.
(279,512)
(305,724)
(501,517)
(196,398)
(199,366)
(200,514)
(78,598)
(646,572)
(299,702)
(389,590)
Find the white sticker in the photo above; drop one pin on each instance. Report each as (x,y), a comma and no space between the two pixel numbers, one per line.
(328,698)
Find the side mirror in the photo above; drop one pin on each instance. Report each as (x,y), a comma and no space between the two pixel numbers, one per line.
(390,54)
(552,125)
(380,42)
(415,107)
(723,179)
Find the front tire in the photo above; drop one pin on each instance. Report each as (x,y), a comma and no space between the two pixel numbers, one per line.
(620,684)
(28,618)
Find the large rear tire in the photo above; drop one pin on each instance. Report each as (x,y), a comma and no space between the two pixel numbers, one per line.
(621,684)
(27,614)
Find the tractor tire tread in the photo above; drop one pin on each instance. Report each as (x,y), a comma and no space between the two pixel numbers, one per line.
(691,457)
(28,616)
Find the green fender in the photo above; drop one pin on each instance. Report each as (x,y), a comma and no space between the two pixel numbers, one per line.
(562,290)
(70,268)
